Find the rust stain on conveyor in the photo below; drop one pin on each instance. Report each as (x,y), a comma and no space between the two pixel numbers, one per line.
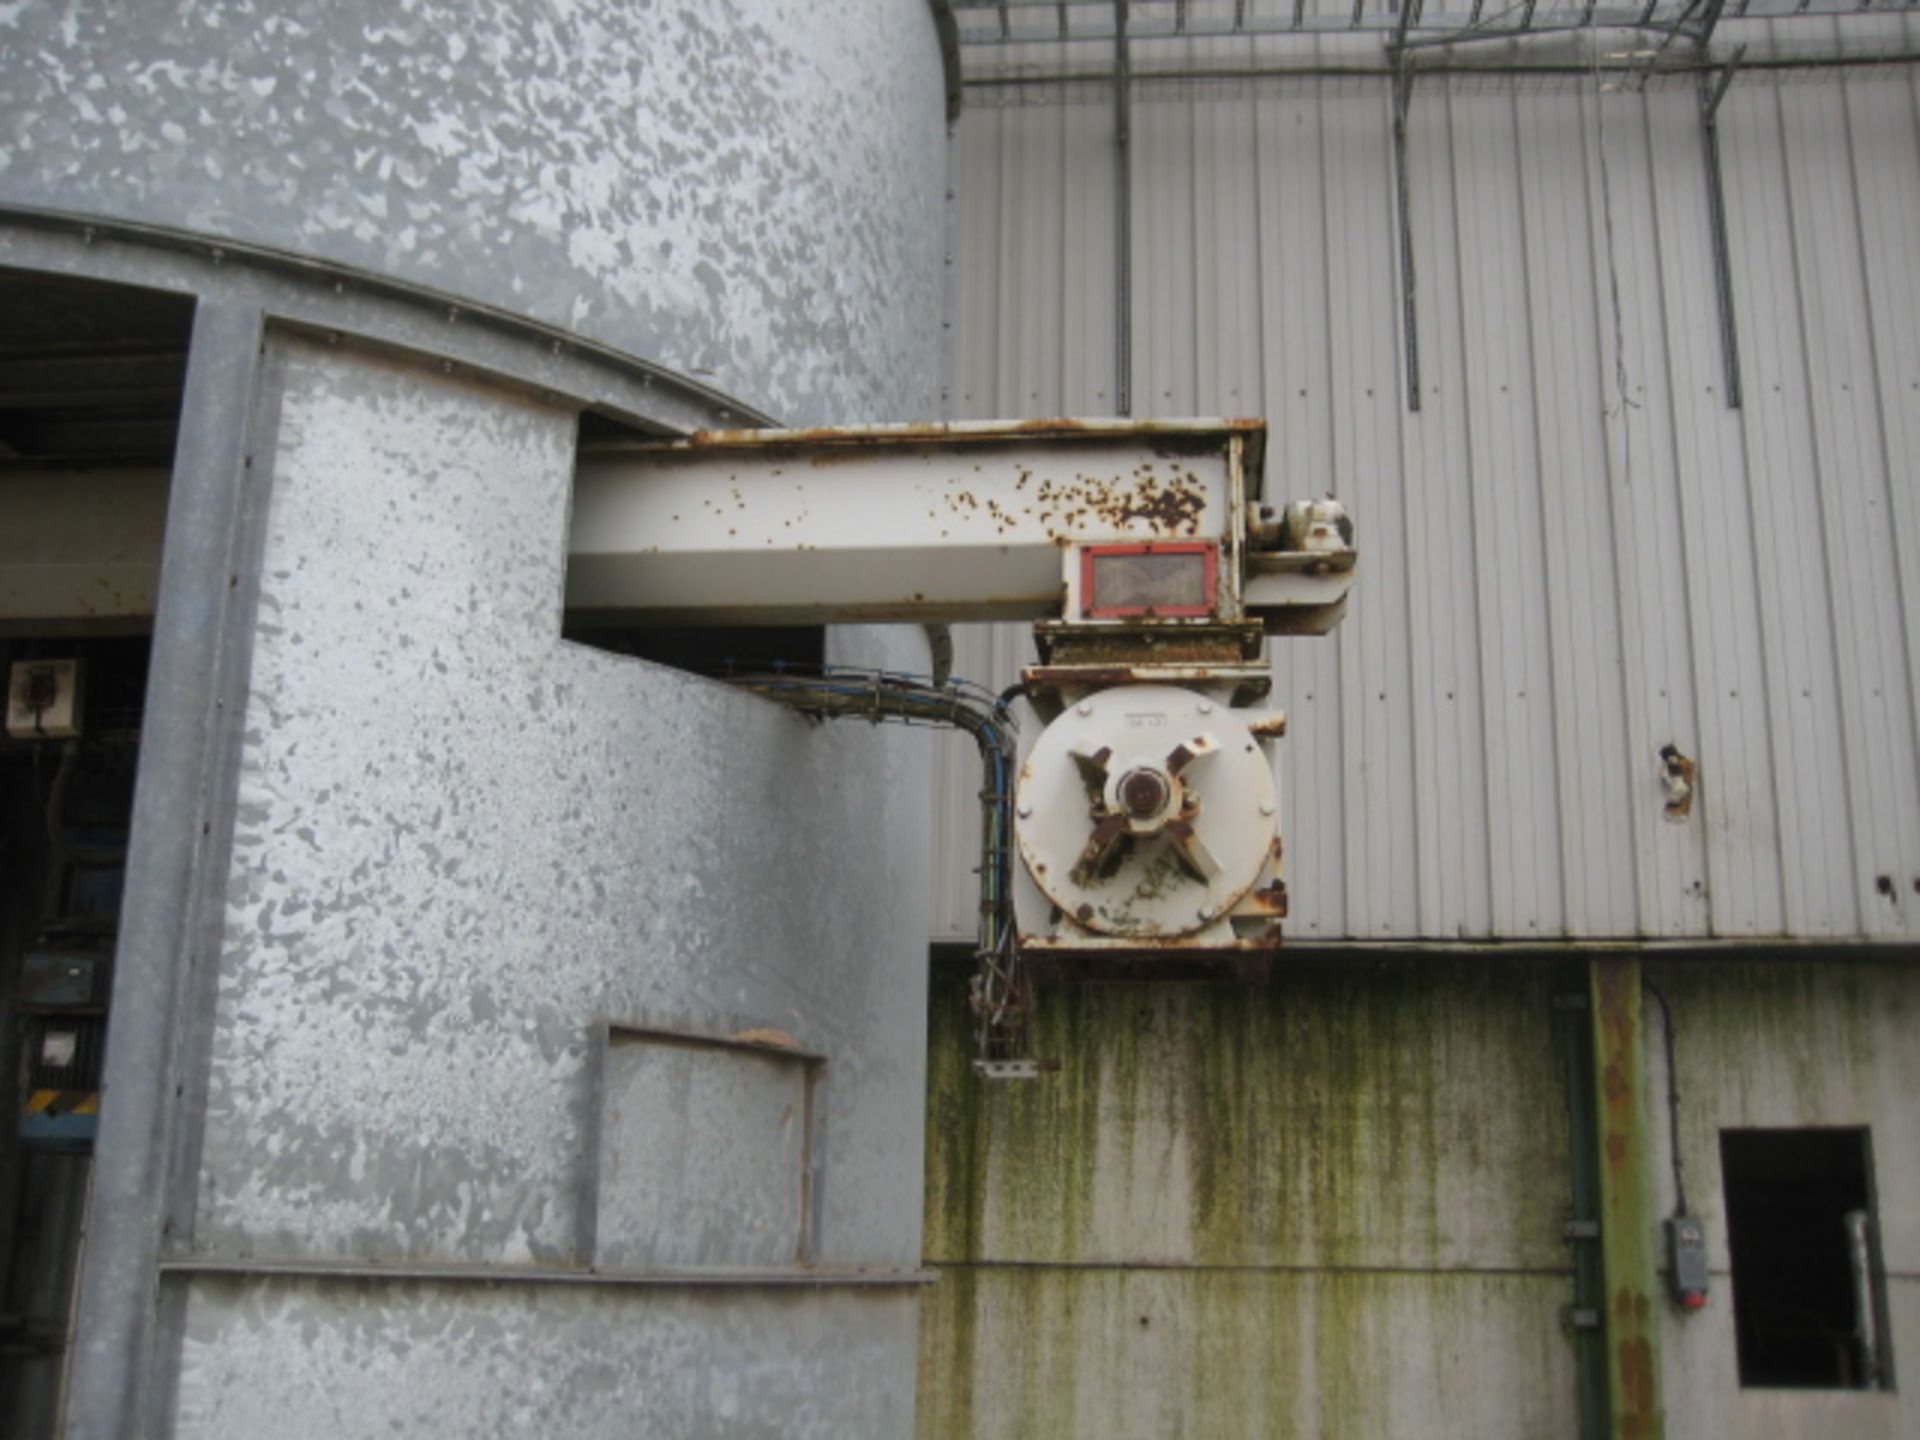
(1171,505)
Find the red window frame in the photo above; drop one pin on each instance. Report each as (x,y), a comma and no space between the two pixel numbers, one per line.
(1092,611)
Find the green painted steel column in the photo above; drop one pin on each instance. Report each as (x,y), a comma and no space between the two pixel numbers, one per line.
(1627,1227)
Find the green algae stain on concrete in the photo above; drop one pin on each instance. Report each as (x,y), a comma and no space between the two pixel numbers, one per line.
(1344,1114)
(1326,1110)
(948,1376)
(957,1142)
(1784,1041)
(1222,1151)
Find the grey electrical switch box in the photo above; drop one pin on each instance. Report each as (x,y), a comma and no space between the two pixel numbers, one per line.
(1687,1260)
(43,699)
(62,980)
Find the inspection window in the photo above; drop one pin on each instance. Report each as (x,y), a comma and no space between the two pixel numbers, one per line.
(1809,1307)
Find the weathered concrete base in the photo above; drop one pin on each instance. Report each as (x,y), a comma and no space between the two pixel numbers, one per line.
(1334,1205)
(1121,1352)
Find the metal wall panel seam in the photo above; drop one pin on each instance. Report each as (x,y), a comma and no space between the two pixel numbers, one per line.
(1652,489)
(1316,755)
(1557,483)
(1616,465)
(1010,378)
(1846,337)
(1206,217)
(1487,735)
(1586,544)
(1322,840)
(1545,847)
(1770,778)
(1895,571)
(1659,488)
(1426,514)
(1394,824)
(1605,700)
(1374,687)
(1048,313)
(1255,387)
(1852,628)
(1294,307)
(1693,712)
(1347,279)
(1809,200)
(1735,806)
(1087,380)
(1466,776)
(1005,258)
(1889,219)
(1820,844)
(1495,565)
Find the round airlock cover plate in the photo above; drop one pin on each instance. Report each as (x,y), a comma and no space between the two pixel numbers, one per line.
(1145,811)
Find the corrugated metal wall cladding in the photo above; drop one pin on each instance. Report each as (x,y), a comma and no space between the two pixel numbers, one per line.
(1575,552)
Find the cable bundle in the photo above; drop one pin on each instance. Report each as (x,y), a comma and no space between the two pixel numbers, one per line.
(998,990)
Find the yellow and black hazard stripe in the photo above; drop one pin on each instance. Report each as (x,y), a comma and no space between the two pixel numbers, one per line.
(63,1102)
(60,1120)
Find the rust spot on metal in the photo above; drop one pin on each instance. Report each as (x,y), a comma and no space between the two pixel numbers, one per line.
(1269,899)
(1681,774)
(1634,1362)
(1104,850)
(1144,792)
(1166,434)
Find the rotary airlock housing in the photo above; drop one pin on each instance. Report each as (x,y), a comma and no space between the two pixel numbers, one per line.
(1146,815)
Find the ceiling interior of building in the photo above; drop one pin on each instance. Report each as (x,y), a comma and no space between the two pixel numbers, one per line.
(90,374)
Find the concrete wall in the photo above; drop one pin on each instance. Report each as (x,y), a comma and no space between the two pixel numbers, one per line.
(1334,1205)
(1778,1045)
(1304,1209)
(736,191)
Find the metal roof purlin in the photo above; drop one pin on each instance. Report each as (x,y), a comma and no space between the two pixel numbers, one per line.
(989,25)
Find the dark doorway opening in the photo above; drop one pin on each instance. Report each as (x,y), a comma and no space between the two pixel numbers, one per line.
(1809,1310)
(91,396)
(719,651)
(66,808)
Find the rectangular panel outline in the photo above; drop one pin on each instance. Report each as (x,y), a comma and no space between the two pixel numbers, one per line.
(603,1037)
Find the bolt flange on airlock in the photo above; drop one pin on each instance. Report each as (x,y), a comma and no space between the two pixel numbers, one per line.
(1146,811)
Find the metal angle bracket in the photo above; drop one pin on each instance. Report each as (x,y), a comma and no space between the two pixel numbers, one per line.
(1713,89)
(1402,100)
(1014,1069)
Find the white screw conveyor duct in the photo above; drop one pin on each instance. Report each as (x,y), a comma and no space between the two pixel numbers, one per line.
(1153,567)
